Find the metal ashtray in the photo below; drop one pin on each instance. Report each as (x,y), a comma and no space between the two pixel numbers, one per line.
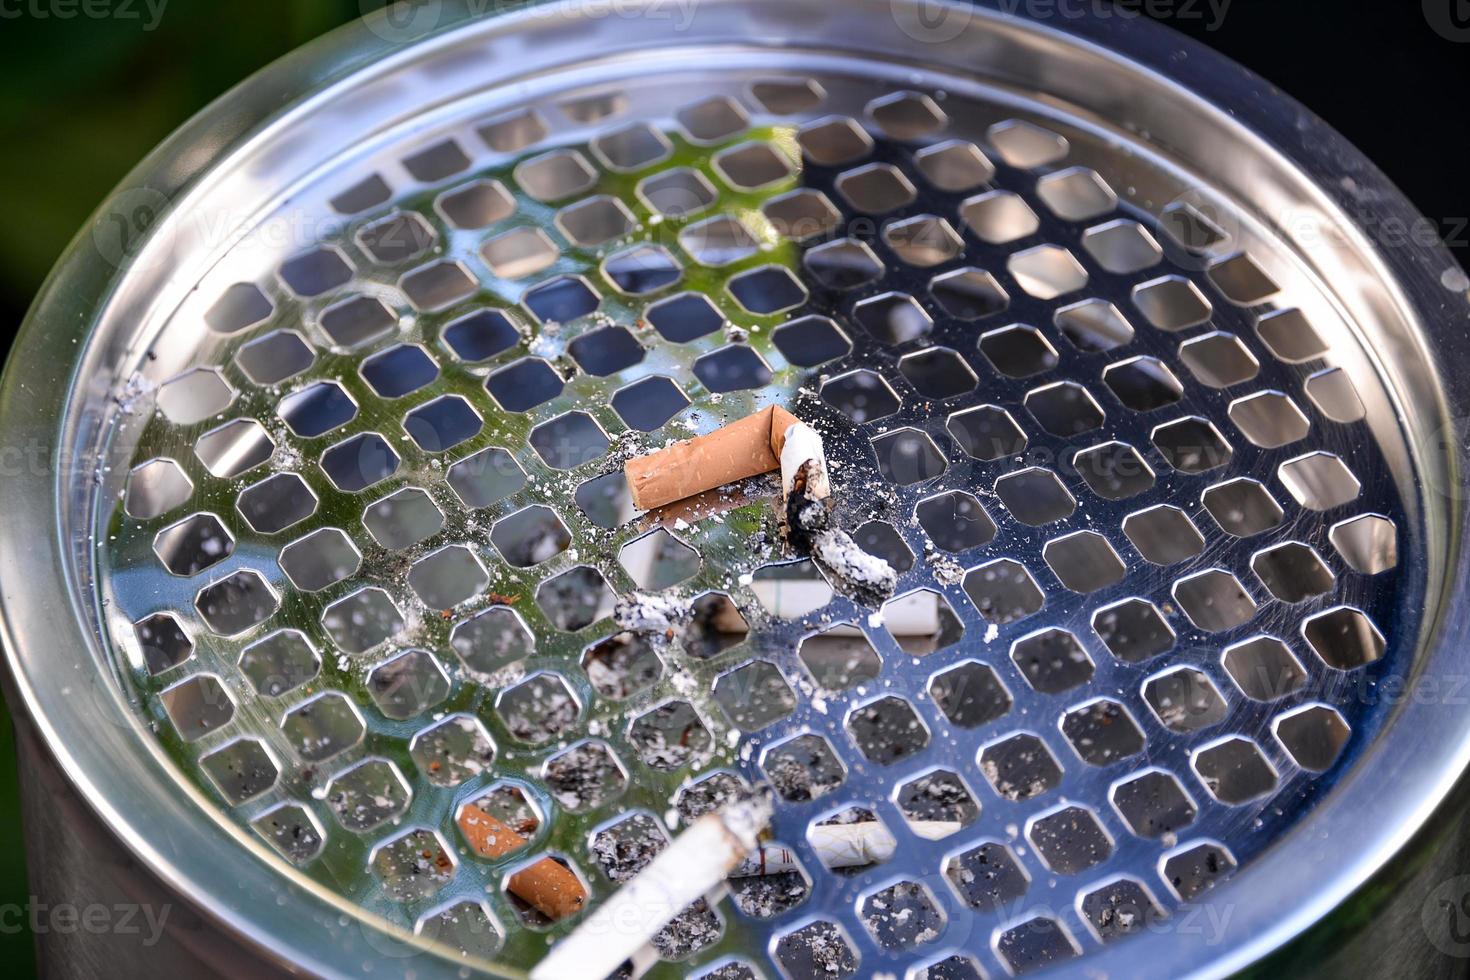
(336,393)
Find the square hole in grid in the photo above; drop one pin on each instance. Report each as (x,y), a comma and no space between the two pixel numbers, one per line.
(476,205)
(1163,534)
(834,140)
(876,188)
(241,305)
(801,214)
(677,192)
(513,131)
(750,166)
(954,166)
(713,119)
(555,176)
(1122,247)
(998,217)
(594,221)
(845,263)
(519,252)
(396,238)
(632,147)
(1076,194)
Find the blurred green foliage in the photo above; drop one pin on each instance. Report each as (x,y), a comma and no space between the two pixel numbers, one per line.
(85,98)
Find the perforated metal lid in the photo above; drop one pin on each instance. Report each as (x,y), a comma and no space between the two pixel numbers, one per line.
(1147,429)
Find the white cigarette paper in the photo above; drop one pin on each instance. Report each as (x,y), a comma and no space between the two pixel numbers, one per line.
(698,861)
(849,845)
(803,448)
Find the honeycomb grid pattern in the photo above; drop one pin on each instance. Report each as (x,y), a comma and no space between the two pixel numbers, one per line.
(392,541)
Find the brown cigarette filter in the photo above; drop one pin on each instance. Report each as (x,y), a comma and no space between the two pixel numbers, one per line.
(489,836)
(549,888)
(546,886)
(733,452)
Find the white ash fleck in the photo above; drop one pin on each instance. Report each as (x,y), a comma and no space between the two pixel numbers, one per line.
(946,570)
(684,682)
(504,677)
(645,613)
(286,457)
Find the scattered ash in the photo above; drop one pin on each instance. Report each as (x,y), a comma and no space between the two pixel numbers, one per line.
(584,776)
(1014,790)
(817,950)
(804,769)
(542,710)
(852,815)
(767,896)
(625,848)
(709,794)
(573,599)
(902,916)
(956,967)
(799,779)
(730,971)
(946,570)
(670,736)
(622,665)
(626,446)
(938,797)
(691,930)
(645,613)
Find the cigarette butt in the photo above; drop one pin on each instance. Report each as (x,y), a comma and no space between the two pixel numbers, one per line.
(742,449)
(546,886)
(853,845)
(696,862)
(549,888)
(692,510)
(488,836)
(781,423)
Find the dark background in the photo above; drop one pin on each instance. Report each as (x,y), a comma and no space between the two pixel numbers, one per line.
(83,99)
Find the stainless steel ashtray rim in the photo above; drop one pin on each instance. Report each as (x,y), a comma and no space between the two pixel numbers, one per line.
(159,823)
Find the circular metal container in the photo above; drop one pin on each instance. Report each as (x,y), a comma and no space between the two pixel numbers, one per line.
(1124,370)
